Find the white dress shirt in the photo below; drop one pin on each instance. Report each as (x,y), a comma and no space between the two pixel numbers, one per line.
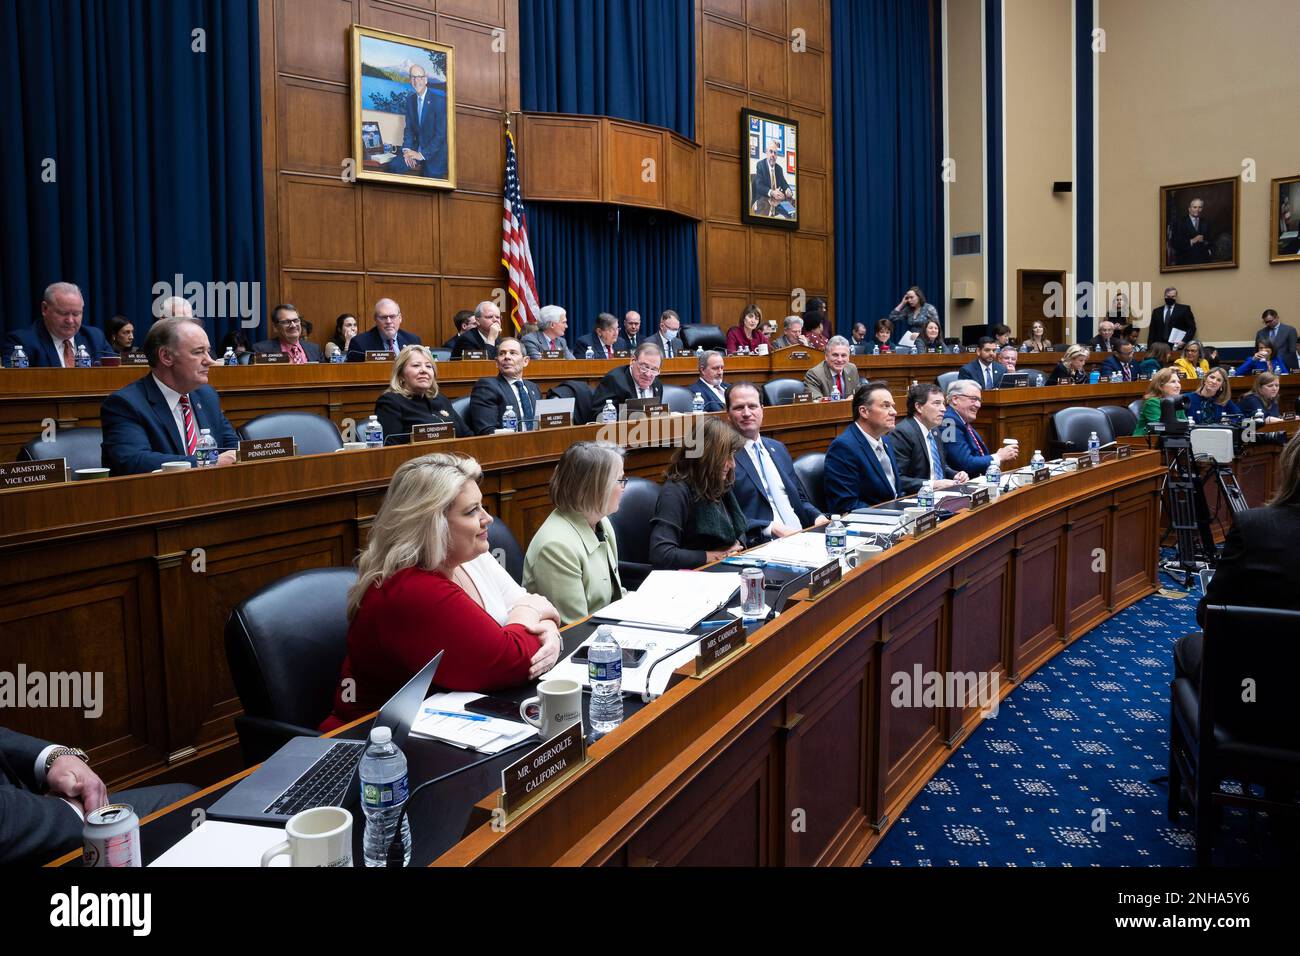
(496,587)
(882,456)
(715,389)
(173,398)
(772,486)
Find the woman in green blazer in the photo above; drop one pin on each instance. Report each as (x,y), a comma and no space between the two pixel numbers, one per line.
(573,558)
(1164,384)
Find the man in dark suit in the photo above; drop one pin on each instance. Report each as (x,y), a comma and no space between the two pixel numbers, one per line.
(917,449)
(1172,315)
(483,335)
(45,792)
(1192,237)
(1104,340)
(769,178)
(52,340)
(639,378)
(552,323)
(985,370)
(769,493)
(668,338)
(1282,336)
(507,389)
(1121,360)
(963,446)
(861,470)
(386,336)
(604,341)
(709,385)
(288,330)
(632,328)
(424,140)
(463,321)
(159,417)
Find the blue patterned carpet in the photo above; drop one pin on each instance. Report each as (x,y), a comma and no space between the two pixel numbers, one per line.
(1063,775)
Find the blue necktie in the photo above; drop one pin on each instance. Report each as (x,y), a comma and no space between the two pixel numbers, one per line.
(936,472)
(526,405)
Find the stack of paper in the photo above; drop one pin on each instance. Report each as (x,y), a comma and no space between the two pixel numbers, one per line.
(670,650)
(216,843)
(806,548)
(673,600)
(443,717)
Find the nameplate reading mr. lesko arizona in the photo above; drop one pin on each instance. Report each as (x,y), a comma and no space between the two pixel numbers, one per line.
(25,473)
(259,449)
(270,358)
(433,431)
(556,419)
(719,644)
(379,355)
(533,775)
(825,576)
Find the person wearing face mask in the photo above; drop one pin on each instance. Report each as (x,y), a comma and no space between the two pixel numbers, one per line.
(670,324)
(413,397)
(1170,316)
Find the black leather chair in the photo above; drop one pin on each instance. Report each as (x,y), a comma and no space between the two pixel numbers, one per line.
(1135,407)
(285,646)
(1218,731)
(80,446)
(504,547)
(632,530)
(678,398)
(704,336)
(1036,378)
(312,434)
(1069,429)
(460,406)
(1122,421)
(580,392)
(781,391)
(810,469)
(945,379)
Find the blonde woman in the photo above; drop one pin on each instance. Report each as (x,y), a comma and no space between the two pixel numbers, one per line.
(427,583)
(413,398)
(1071,369)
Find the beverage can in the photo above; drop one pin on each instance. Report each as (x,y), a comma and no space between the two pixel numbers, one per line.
(111,837)
(751,591)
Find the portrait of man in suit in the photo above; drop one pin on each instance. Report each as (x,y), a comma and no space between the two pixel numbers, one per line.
(1199,225)
(768,154)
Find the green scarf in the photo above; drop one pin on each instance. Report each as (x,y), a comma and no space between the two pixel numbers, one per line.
(720,521)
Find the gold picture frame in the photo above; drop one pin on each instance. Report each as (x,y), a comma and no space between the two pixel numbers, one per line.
(1214,240)
(1284,220)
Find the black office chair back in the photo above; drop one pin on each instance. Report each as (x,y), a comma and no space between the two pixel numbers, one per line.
(704,336)
(1070,428)
(1249,660)
(460,406)
(946,379)
(504,547)
(678,398)
(81,446)
(632,530)
(1122,421)
(312,434)
(1036,378)
(781,391)
(580,392)
(1135,407)
(810,469)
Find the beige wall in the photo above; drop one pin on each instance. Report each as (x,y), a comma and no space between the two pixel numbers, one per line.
(1188,89)
(964,81)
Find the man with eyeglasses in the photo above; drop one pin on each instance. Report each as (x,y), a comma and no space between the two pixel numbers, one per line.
(288,331)
(638,379)
(424,136)
(963,447)
(386,336)
(53,339)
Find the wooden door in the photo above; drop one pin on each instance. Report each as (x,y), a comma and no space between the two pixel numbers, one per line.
(1033,294)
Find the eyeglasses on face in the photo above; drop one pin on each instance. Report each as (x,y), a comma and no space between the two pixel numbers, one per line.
(648,369)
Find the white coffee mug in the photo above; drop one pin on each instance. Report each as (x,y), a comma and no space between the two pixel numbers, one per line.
(761,350)
(558,703)
(321,836)
(175,466)
(355,446)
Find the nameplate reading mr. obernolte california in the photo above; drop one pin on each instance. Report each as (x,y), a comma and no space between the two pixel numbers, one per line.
(541,769)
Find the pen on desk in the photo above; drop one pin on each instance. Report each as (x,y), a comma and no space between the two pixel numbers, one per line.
(430,712)
(709,625)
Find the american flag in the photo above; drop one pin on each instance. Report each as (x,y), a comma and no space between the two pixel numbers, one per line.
(515,254)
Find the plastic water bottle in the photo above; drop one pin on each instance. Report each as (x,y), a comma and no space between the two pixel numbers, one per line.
(373,433)
(1038,461)
(18,358)
(609,414)
(206,451)
(384,790)
(229,358)
(697,404)
(83,357)
(1259,416)
(875,349)
(993,475)
(1094,448)
(925,499)
(605,674)
(509,420)
(835,393)
(836,536)
(699,351)
(590,353)
(336,357)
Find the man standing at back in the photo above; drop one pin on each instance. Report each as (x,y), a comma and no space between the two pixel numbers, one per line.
(386,336)
(53,339)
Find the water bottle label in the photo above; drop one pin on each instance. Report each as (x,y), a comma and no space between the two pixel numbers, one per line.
(606,670)
(383,796)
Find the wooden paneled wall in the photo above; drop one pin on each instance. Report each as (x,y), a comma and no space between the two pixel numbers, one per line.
(335,246)
(745,57)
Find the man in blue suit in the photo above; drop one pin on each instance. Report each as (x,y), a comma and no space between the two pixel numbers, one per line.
(52,341)
(159,417)
(604,341)
(424,140)
(985,370)
(963,446)
(769,492)
(1120,360)
(386,336)
(709,385)
(860,468)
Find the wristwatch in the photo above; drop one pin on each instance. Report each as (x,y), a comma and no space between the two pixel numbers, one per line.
(58,752)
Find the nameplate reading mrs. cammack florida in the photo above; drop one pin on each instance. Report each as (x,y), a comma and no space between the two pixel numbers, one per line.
(719,644)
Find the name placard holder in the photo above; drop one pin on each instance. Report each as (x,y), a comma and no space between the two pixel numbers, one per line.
(379,355)
(135,358)
(1122,451)
(798,354)
(979,498)
(802,398)
(471,354)
(718,645)
(539,771)
(24,474)
(556,420)
(825,578)
(432,431)
(622,353)
(1083,461)
(925,524)
(260,449)
(553,354)
(270,358)
(1041,475)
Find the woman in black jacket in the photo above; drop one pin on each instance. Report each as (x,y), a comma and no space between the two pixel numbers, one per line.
(697,519)
(412,397)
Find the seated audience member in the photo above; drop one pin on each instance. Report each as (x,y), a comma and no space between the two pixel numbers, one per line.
(53,339)
(413,397)
(1264,360)
(288,337)
(1037,340)
(1159,356)
(1212,401)
(604,341)
(121,334)
(573,558)
(1001,335)
(709,385)
(1257,567)
(46,790)
(632,329)
(882,339)
(1104,340)
(817,327)
(237,343)
(1262,397)
(748,335)
(861,470)
(552,323)
(668,339)
(1120,360)
(835,373)
(493,394)
(984,368)
(917,450)
(462,321)
(345,329)
(858,334)
(639,378)
(159,417)
(792,334)
(697,519)
(386,336)
(483,334)
(1191,363)
(1118,312)
(426,582)
(1072,369)
(963,446)
(930,339)
(913,312)
(1009,356)
(767,489)
(1164,383)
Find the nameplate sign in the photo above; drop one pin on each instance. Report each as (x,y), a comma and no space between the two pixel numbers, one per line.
(556,419)
(1020,383)
(979,498)
(433,431)
(553,353)
(718,645)
(541,770)
(24,474)
(798,354)
(109,361)
(622,353)
(824,577)
(262,448)
(135,358)
(802,398)
(654,411)
(379,355)
(470,354)
(1288,417)
(270,358)
(1041,475)
(1122,451)
(1084,461)
(925,524)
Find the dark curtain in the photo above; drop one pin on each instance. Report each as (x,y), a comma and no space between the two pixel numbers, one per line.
(634,59)
(156,155)
(888,189)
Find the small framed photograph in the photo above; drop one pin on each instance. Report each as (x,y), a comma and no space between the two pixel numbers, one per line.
(1284,221)
(769,176)
(1199,223)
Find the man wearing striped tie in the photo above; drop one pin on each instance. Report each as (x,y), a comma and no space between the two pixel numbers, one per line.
(917,449)
(159,417)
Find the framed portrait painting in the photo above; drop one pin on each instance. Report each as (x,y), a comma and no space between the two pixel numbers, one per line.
(1199,223)
(1284,220)
(403,109)
(769,191)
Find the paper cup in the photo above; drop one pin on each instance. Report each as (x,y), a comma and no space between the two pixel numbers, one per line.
(354,446)
(175,466)
(87,474)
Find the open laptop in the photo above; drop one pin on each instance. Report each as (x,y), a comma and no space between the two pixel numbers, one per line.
(319,771)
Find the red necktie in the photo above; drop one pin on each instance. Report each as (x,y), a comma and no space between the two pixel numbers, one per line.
(69,359)
(979,445)
(839,382)
(191,430)
(296,355)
